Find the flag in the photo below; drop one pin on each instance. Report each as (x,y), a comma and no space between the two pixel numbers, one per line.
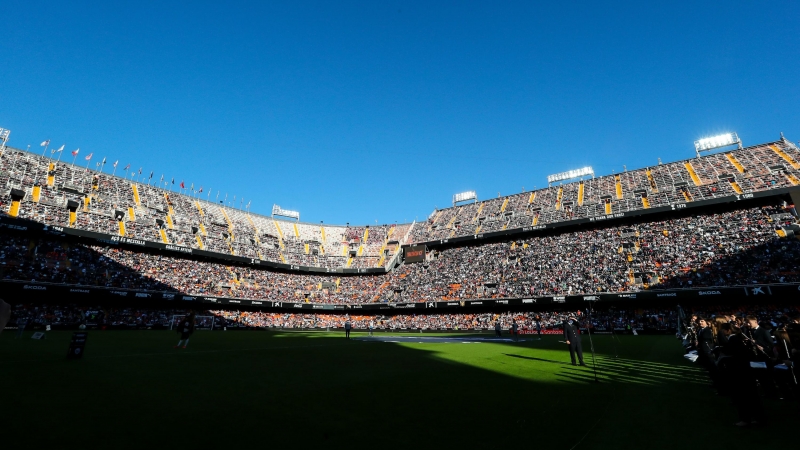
(60,149)
(173,181)
(151,174)
(115,163)
(162,177)
(140,170)
(192,187)
(74,152)
(127,167)
(45,143)
(201,188)
(104,160)
(182,186)
(89,156)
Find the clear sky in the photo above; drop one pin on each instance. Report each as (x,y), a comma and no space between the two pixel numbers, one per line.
(363,111)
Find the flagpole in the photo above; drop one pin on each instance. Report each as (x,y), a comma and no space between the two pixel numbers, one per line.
(45,149)
(60,152)
(114,172)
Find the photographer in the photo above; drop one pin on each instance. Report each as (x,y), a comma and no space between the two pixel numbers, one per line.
(737,377)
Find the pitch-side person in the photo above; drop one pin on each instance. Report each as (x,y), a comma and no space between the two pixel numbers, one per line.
(5,314)
(573,339)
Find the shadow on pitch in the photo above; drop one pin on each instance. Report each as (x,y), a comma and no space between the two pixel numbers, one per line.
(537,359)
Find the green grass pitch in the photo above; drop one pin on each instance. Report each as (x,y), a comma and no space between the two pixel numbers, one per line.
(297,389)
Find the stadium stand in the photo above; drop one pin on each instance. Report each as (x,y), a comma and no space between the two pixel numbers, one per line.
(753,169)
(727,246)
(61,194)
(737,247)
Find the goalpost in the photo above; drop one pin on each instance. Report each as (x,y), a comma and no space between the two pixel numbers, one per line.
(200,322)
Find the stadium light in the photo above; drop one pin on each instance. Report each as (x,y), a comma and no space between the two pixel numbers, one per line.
(278,211)
(713,142)
(570,174)
(464,196)
(4,138)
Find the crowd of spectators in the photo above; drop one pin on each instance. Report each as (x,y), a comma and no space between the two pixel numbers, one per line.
(40,315)
(737,247)
(721,249)
(548,321)
(748,170)
(151,210)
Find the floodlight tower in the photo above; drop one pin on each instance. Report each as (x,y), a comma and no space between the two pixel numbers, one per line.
(278,211)
(464,196)
(715,142)
(4,138)
(570,174)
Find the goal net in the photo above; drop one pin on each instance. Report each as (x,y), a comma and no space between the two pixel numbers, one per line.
(200,322)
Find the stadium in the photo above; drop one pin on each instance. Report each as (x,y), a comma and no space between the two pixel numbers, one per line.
(85,249)
(643,294)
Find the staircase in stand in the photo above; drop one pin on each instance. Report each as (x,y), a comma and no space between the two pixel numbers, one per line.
(136,198)
(51,177)
(559,196)
(280,234)
(693,174)
(735,162)
(785,156)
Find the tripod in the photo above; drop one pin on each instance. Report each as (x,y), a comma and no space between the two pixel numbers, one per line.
(614,340)
(591,344)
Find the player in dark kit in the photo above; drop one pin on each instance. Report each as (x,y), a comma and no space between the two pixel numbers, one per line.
(186,328)
(573,340)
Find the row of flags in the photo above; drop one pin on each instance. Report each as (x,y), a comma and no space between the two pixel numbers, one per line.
(88,158)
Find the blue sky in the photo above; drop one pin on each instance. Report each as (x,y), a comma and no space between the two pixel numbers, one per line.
(364,111)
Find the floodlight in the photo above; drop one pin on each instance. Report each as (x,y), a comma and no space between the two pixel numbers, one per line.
(575,173)
(464,196)
(721,140)
(278,211)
